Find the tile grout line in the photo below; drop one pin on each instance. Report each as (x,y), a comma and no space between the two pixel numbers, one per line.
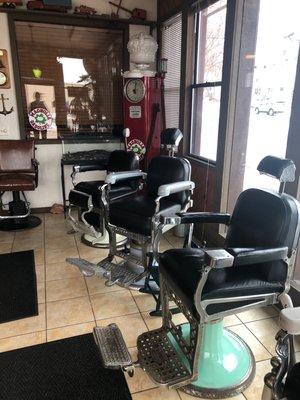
(86,285)
(262,319)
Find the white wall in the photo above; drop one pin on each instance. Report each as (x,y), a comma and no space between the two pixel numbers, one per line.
(49,190)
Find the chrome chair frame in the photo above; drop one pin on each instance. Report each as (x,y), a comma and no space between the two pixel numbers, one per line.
(145,241)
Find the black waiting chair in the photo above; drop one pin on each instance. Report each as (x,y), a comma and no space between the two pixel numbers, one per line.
(253,269)
(86,203)
(18,174)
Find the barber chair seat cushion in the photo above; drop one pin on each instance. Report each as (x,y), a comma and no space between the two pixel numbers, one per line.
(17,182)
(91,188)
(183,267)
(135,214)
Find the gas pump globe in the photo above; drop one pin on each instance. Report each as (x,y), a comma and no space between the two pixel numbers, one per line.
(142,49)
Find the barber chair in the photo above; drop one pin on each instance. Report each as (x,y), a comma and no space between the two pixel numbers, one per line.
(18,174)
(253,269)
(283,382)
(85,198)
(167,190)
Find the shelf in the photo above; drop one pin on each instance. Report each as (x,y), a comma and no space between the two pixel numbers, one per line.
(22,13)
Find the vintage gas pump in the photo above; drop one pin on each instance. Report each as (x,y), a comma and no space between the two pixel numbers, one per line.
(142,96)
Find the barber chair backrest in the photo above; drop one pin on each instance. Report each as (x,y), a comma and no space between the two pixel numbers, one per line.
(121,160)
(163,170)
(266,218)
(16,156)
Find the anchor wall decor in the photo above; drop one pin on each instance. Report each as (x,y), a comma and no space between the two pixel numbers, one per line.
(4,111)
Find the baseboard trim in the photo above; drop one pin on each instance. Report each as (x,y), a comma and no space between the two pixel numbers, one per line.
(40,210)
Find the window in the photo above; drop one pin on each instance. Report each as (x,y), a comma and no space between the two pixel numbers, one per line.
(209,31)
(265,85)
(171,50)
(70,78)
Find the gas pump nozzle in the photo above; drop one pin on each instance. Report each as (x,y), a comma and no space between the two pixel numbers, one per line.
(126,134)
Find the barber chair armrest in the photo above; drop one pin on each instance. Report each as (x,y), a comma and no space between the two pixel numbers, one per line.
(218,258)
(87,168)
(204,218)
(176,187)
(115,177)
(247,256)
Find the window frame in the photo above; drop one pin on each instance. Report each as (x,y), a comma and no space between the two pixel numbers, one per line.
(66,20)
(194,85)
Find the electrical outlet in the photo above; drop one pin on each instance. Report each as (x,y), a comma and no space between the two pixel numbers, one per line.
(3,131)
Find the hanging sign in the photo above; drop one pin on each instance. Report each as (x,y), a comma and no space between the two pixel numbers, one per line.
(137,147)
(40,119)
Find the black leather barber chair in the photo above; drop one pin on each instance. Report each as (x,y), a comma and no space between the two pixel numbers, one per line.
(253,269)
(167,190)
(85,198)
(283,382)
(18,174)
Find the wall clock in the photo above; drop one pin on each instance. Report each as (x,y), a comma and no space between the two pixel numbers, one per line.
(3,79)
(4,70)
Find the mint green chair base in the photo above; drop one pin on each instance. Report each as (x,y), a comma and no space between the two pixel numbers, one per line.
(223,367)
(201,359)
(226,365)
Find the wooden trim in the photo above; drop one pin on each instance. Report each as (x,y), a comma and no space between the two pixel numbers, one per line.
(40,210)
(292,151)
(187,77)
(71,19)
(16,73)
(225,96)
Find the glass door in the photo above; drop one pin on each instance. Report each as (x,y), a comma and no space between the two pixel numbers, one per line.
(266,81)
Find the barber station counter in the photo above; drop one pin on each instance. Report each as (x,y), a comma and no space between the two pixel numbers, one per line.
(87,149)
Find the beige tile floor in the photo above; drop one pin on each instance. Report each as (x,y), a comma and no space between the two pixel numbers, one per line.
(71,305)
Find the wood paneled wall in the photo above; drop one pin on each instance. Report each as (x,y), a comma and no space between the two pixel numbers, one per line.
(168,7)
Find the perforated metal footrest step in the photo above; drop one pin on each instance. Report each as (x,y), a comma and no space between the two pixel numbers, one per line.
(159,359)
(113,350)
(120,274)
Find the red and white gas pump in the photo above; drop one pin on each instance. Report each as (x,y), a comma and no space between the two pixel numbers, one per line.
(142,100)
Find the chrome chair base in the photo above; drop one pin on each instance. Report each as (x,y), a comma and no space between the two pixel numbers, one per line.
(103,241)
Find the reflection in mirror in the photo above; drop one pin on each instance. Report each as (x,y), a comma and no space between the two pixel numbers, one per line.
(70,78)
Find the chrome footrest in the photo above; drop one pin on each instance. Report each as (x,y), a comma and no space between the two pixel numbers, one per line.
(113,350)
(87,268)
(129,257)
(159,359)
(120,274)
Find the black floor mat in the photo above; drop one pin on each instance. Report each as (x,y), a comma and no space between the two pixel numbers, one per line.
(18,292)
(68,369)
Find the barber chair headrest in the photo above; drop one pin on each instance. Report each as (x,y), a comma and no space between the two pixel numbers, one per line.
(279,168)
(171,136)
(170,139)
